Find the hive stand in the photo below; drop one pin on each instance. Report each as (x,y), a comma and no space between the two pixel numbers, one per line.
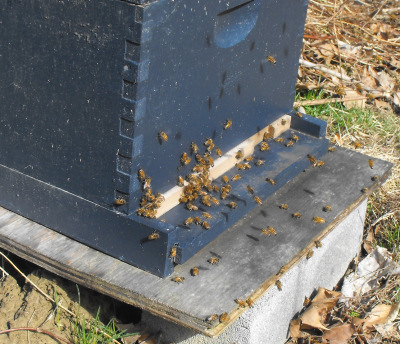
(248,260)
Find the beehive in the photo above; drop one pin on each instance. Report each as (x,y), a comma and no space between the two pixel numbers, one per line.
(94,91)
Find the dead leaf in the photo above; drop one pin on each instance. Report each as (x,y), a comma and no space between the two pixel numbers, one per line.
(320,306)
(356,103)
(382,105)
(380,314)
(369,240)
(339,334)
(387,331)
(295,328)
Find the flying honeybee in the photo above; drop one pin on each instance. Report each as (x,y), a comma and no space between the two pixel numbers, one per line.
(236,177)
(296,215)
(271,59)
(309,254)
(278,284)
(284,206)
(153,236)
(218,152)
(194,271)
(241,302)
(257,199)
(162,135)
(232,205)
(178,279)
(371,163)
(227,124)
(318,219)
(213,260)
(141,174)
(271,181)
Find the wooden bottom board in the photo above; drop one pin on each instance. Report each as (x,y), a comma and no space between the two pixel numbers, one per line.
(249,260)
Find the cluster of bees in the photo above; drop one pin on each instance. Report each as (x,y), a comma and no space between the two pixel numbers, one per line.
(149,203)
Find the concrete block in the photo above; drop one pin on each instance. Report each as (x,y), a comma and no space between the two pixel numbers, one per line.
(268,321)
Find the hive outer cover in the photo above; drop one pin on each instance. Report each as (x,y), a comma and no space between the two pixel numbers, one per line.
(86,86)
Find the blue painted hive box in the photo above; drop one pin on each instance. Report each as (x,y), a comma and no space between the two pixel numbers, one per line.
(106,104)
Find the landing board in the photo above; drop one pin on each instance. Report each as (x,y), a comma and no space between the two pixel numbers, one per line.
(249,260)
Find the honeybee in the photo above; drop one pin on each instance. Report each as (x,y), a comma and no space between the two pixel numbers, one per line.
(153,236)
(218,152)
(246,166)
(188,221)
(178,279)
(163,136)
(228,124)
(266,136)
(224,194)
(294,137)
(194,147)
(191,206)
(185,159)
(307,301)
(250,189)
(364,190)
(240,166)
(284,206)
(236,177)
(357,144)
(264,146)
(173,252)
(194,271)
(318,244)
(331,149)
(282,270)
(208,142)
(309,254)
(183,199)
(296,215)
(374,178)
(257,200)
(141,174)
(249,158)
(318,219)
(340,91)
(320,163)
(283,121)
(223,317)
(212,318)
(270,180)
(206,215)
(214,200)
(147,183)
(239,155)
(205,225)
(225,179)
(268,231)
(180,181)
(197,220)
(241,302)
(119,201)
(327,208)
(289,144)
(259,162)
(371,163)
(232,205)
(213,260)
(210,147)
(250,302)
(278,284)
(271,59)
(313,161)
(279,140)
(298,114)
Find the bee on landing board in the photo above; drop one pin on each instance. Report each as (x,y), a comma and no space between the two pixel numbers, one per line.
(236,177)
(271,181)
(239,155)
(141,174)
(264,146)
(194,271)
(257,200)
(241,302)
(153,236)
(307,301)
(213,260)
(278,284)
(232,205)
(371,163)
(225,179)
(259,162)
(178,279)
(296,215)
(119,201)
(173,252)
(318,219)
(271,59)
(194,148)
(250,189)
(212,318)
(227,124)
(218,152)
(327,208)
(223,318)
(309,254)
(250,302)
(318,244)
(331,149)
(284,206)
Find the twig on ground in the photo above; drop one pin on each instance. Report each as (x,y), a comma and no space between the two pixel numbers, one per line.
(37,330)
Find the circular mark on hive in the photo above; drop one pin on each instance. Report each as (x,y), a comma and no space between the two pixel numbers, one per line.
(234,24)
